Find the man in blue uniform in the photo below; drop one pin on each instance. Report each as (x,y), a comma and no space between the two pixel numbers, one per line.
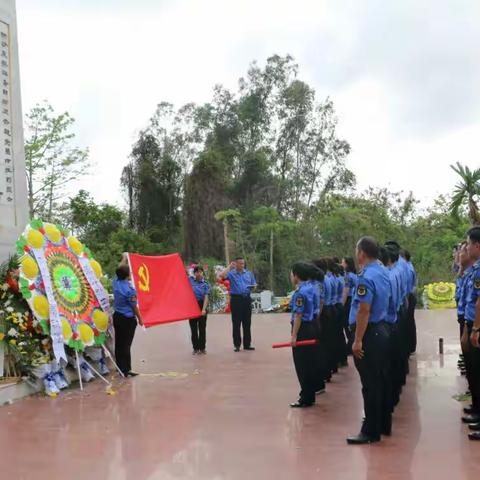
(198,326)
(242,281)
(371,344)
(125,318)
(472,323)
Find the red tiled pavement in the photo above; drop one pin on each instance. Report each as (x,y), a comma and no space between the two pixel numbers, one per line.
(229,418)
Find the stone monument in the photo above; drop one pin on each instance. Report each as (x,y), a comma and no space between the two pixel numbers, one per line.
(13,186)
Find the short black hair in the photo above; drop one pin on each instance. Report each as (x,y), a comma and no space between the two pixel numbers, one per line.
(321,263)
(393,253)
(407,255)
(393,243)
(122,272)
(198,268)
(350,264)
(474,234)
(384,256)
(369,246)
(315,272)
(336,259)
(302,270)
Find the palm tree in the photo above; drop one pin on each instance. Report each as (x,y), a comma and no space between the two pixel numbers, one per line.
(467,190)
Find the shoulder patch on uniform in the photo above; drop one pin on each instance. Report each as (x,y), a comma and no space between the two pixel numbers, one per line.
(477,283)
(361,290)
(299,302)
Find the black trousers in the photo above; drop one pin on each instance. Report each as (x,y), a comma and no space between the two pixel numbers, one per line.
(124,333)
(471,357)
(397,364)
(320,357)
(327,339)
(305,366)
(241,317)
(411,326)
(198,327)
(346,315)
(374,370)
(341,344)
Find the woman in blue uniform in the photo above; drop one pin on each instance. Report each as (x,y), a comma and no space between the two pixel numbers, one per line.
(125,318)
(303,328)
(316,280)
(198,326)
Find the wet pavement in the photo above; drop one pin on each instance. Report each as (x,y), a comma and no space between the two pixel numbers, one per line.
(225,415)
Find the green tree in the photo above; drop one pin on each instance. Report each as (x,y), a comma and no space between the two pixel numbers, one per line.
(467,192)
(52,162)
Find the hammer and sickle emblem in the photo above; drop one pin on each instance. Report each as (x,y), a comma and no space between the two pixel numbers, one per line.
(144,278)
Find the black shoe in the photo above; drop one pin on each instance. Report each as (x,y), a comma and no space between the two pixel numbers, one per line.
(132,374)
(475,427)
(319,392)
(249,348)
(387,431)
(236,349)
(475,418)
(474,436)
(300,404)
(362,439)
(470,410)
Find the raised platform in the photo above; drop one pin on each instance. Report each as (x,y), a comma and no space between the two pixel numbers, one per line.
(226,416)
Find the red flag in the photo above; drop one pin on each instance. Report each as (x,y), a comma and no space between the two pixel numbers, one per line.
(163,289)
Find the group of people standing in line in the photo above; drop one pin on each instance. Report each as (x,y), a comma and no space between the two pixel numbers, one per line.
(370,314)
(467,293)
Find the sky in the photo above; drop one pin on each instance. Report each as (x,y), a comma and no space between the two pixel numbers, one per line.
(404,75)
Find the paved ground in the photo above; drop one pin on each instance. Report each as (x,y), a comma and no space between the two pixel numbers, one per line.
(226,416)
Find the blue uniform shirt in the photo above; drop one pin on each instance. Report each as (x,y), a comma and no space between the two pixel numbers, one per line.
(461,291)
(124,298)
(340,287)
(302,302)
(200,289)
(350,282)
(315,286)
(394,303)
(404,274)
(412,277)
(240,282)
(373,287)
(329,288)
(472,292)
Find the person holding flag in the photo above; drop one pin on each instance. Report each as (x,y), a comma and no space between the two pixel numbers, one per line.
(126,314)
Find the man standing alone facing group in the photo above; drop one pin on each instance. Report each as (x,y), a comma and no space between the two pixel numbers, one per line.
(242,281)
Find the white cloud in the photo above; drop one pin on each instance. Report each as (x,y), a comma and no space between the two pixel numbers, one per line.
(109,65)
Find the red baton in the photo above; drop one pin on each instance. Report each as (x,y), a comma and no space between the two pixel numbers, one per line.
(302,343)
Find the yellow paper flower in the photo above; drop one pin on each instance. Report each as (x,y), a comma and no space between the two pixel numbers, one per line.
(40,305)
(86,334)
(35,239)
(2,336)
(53,233)
(75,245)
(66,330)
(100,319)
(29,267)
(96,268)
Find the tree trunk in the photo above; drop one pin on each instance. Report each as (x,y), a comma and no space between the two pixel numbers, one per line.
(271,260)
(225,237)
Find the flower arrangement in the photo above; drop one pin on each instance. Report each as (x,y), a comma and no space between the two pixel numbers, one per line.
(439,295)
(25,344)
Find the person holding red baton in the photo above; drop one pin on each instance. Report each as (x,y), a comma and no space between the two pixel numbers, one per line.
(303,328)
